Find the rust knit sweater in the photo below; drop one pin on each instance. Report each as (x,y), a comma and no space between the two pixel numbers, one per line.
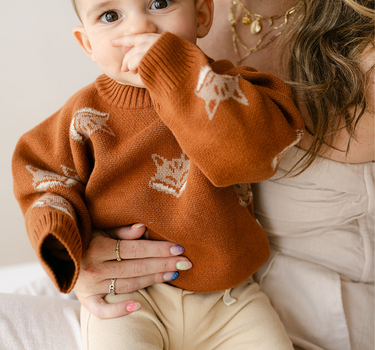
(168,156)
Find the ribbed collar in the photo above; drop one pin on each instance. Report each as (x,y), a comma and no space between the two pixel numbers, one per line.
(122,96)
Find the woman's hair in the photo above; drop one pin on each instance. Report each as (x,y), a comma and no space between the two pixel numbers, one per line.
(325,73)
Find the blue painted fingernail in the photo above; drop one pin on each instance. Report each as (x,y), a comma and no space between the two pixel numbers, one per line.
(177,250)
(170,276)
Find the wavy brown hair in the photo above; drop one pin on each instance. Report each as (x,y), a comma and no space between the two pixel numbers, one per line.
(326,47)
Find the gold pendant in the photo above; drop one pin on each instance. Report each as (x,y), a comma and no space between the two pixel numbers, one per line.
(246,20)
(255,27)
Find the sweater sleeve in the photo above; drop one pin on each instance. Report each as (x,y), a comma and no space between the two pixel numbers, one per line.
(49,183)
(235,123)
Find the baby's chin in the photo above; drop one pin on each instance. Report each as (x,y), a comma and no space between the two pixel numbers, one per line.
(128,78)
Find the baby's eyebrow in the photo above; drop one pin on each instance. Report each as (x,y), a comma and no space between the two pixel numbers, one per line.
(99,6)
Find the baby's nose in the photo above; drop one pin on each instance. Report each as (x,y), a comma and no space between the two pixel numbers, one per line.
(140,24)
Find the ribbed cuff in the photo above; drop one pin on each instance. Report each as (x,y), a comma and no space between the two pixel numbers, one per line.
(41,222)
(170,62)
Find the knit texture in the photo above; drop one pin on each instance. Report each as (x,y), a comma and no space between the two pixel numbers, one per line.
(177,156)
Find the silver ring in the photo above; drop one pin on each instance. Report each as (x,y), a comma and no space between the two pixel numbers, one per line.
(112,287)
(118,257)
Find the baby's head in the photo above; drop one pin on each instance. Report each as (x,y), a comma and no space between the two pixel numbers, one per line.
(105,20)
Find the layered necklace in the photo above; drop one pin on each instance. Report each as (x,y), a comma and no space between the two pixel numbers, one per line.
(254,21)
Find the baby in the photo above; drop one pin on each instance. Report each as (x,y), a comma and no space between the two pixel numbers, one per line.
(170,139)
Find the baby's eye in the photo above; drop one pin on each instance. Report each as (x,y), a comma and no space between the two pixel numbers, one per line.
(110,17)
(160,4)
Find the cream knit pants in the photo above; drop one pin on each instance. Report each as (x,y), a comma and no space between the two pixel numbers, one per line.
(174,319)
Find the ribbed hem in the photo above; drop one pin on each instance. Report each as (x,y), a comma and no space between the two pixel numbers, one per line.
(169,62)
(121,95)
(41,222)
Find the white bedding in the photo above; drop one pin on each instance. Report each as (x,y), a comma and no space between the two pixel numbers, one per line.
(16,276)
(33,315)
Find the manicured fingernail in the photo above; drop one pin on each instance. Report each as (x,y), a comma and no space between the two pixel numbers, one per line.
(137,226)
(170,276)
(177,250)
(133,307)
(184,265)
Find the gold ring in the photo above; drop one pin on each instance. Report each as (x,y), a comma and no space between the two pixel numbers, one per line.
(112,287)
(118,257)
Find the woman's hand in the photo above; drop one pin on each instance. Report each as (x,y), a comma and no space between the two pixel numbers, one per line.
(143,263)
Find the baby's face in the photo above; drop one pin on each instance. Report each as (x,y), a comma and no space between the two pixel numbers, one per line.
(107,20)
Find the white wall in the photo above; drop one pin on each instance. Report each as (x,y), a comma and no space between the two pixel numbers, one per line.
(41,66)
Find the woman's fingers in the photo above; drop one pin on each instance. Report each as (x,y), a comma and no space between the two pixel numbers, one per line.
(150,266)
(105,248)
(129,285)
(127,232)
(148,249)
(101,309)
(132,268)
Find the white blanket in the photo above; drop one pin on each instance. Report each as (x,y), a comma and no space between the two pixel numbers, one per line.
(33,315)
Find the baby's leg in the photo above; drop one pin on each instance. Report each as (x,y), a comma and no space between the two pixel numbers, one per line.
(249,323)
(140,330)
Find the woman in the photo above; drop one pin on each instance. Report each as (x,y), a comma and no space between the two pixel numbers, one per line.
(320,216)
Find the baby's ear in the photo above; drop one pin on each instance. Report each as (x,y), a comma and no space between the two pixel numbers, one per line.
(80,35)
(204,10)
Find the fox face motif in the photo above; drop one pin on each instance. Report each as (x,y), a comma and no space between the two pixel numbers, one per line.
(43,180)
(86,121)
(214,88)
(244,194)
(55,202)
(171,176)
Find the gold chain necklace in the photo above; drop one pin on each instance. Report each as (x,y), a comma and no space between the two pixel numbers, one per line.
(256,27)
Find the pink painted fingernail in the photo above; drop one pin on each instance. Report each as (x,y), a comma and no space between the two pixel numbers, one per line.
(136,226)
(133,307)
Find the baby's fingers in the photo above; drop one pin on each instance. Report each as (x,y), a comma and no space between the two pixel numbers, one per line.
(133,57)
(124,41)
(131,63)
(135,40)
(101,309)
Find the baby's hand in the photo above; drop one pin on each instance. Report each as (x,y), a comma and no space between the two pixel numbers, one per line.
(135,47)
